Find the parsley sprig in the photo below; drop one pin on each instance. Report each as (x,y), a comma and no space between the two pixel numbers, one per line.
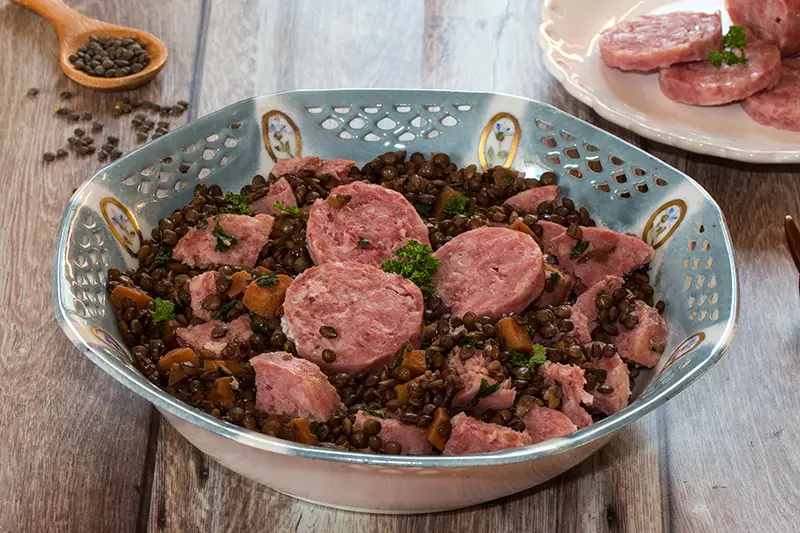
(223,311)
(267,280)
(464,339)
(371,412)
(457,205)
(484,391)
(579,248)
(222,236)
(291,209)
(538,357)
(735,39)
(165,310)
(163,257)
(238,204)
(415,262)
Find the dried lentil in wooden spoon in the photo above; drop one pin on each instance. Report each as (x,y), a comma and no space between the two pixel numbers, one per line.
(74,29)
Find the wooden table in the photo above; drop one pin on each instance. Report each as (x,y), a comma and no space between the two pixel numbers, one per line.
(80,453)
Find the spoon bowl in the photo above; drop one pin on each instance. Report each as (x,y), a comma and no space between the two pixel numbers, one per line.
(73,30)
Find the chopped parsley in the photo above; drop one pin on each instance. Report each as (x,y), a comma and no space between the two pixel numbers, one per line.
(735,39)
(222,236)
(163,257)
(363,242)
(538,357)
(366,409)
(464,339)
(579,248)
(483,392)
(238,205)
(202,223)
(165,310)
(415,262)
(313,427)
(556,276)
(223,311)
(518,359)
(267,280)
(291,209)
(457,205)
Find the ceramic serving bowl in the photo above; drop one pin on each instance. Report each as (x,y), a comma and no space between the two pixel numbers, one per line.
(624,188)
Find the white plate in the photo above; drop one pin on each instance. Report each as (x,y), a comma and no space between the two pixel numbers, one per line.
(568,36)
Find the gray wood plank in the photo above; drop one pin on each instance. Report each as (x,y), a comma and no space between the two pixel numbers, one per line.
(73,446)
(734,463)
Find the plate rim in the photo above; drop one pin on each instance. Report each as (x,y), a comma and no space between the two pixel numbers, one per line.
(639,127)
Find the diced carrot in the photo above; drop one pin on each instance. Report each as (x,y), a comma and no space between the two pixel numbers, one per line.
(302,431)
(239,282)
(226,366)
(438,432)
(415,362)
(222,392)
(519,225)
(121,292)
(402,391)
(265,301)
(178,355)
(513,335)
(445,195)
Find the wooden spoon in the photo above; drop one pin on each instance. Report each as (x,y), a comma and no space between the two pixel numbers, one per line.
(74,29)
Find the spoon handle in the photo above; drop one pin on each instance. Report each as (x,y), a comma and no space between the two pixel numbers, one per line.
(59,14)
(793,240)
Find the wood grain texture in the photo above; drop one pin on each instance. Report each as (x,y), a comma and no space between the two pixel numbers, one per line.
(73,446)
(723,456)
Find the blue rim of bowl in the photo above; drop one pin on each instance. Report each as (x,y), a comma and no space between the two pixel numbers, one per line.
(163,401)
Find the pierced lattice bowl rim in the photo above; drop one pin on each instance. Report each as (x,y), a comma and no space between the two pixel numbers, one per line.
(126,374)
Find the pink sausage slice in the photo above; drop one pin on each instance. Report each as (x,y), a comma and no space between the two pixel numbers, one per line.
(655,41)
(280,191)
(778,107)
(363,314)
(470,436)
(617,377)
(601,252)
(527,201)
(412,440)
(572,380)
(775,21)
(200,340)
(200,287)
(471,372)
(489,271)
(702,84)
(368,226)
(544,424)
(338,168)
(288,385)
(198,248)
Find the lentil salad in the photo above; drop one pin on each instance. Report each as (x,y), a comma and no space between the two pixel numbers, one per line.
(539,357)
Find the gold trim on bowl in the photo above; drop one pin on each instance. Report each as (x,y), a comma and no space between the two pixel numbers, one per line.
(124,235)
(514,140)
(669,225)
(295,131)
